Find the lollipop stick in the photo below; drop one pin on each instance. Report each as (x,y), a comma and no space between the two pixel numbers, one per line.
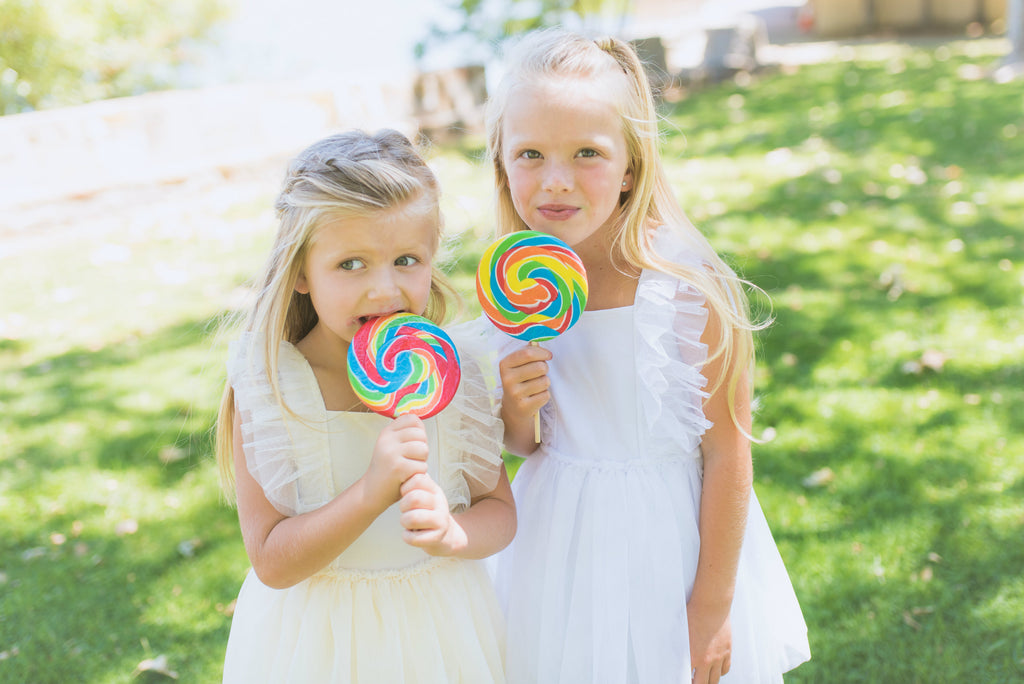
(536,416)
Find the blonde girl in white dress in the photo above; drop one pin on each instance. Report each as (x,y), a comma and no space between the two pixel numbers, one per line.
(642,555)
(362,530)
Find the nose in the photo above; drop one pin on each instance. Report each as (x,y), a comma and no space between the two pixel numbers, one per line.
(557,177)
(384,285)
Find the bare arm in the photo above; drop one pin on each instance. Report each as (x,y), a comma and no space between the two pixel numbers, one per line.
(725,498)
(285,550)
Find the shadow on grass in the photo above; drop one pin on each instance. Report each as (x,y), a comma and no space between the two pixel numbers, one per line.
(86,596)
(102,603)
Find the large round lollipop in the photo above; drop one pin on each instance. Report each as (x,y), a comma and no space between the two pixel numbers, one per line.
(403,363)
(531,285)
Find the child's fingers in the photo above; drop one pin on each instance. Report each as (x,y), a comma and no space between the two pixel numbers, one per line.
(535,370)
(528,359)
(415,450)
(419,520)
(407,420)
(407,468)
(530,388)
(423,539)
(416,499)
(419,482)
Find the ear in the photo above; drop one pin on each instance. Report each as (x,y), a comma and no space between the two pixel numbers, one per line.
(627,182)
(301,284)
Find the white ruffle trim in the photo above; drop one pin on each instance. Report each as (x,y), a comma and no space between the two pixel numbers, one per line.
(670,318)
(289,455)
(471,431)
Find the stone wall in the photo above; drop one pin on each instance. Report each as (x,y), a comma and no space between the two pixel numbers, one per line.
(163,137)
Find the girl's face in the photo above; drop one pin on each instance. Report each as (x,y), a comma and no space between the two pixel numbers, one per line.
(565,155)
(360,267)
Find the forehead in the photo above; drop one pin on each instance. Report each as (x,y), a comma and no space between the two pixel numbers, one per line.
(578,106)
(414,224)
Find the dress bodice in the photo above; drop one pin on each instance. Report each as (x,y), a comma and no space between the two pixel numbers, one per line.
(352,436)
(593,383)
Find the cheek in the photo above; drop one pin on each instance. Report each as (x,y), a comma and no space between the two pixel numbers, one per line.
(419,291)
(519,185)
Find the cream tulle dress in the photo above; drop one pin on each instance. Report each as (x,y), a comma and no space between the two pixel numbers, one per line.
(596,582)
(383,612)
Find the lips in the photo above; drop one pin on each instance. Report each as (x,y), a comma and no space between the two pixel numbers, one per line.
(557,212)
(364,319)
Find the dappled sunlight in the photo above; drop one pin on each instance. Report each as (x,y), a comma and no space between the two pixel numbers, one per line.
(876,198)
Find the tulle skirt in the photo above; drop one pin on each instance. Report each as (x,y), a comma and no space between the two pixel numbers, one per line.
(596,582)
(437,622)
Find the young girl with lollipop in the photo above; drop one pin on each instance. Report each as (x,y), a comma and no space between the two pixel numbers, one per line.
(642,554)
(360,528)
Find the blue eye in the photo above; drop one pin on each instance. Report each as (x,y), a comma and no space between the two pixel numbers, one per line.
(587,152)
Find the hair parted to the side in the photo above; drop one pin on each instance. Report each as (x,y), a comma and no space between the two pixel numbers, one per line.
(555,54)
(351,174)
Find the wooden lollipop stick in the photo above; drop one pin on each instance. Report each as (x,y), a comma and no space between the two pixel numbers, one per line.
(536,416)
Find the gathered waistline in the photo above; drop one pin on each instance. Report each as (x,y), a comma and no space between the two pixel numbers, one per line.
(343,574)
(630,464)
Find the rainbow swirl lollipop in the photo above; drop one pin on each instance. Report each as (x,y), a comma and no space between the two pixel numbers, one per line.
(403,363)
(531,285)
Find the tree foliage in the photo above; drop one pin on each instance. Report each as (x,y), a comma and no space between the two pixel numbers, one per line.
(490,22)
(65,52)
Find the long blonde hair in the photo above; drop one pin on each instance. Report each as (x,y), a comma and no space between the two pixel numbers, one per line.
(352,174)
(553,54)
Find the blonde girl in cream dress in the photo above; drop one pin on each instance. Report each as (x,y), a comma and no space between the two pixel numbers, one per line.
(363,531)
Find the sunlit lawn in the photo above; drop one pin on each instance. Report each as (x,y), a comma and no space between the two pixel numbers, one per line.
(878,200)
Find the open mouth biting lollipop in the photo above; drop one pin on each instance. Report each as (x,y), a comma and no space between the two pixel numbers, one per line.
(531,285)
(403,363)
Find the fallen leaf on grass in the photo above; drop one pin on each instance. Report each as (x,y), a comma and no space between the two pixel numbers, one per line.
(933,359)
(819,478)
(910,621)
(188,547)
(227,610)
(156,666)
(124,527)
(171,454)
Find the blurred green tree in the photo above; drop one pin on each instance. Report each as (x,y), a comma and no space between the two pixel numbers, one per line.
(489,22)
(65,52)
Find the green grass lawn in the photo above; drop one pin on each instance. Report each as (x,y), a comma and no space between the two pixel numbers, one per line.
(878,200)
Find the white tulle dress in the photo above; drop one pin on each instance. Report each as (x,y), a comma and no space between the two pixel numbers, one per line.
(383,612)
(596,581)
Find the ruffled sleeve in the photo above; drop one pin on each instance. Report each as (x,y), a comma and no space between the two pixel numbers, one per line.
(470,431)
(286,452)
(670,319)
